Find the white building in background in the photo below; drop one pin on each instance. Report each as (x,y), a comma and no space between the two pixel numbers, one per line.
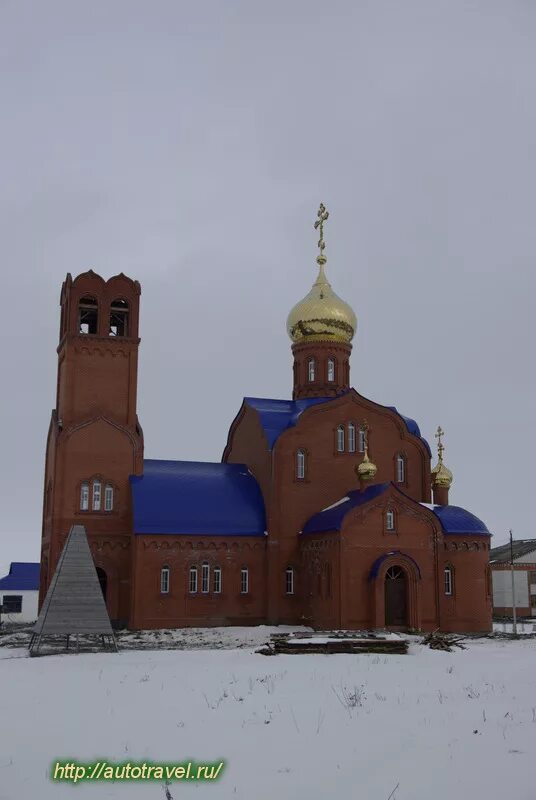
(524,558)
(19,592)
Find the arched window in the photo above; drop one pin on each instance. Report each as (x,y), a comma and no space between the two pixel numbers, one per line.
(361,439)
(340,439)
(449,581)
(400,469)
(164,580)
(88,315)
(84,497)
(192,584)
(311,370)
(300,464)
(244,580)
(205,577)
(351,437)
(216,578)
(331,369)
(289,580)
(389,520)
(108,497)
(119,318)
(96,495)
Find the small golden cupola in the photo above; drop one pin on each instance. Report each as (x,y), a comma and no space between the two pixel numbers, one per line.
(366,471)
(321,327)
(441,475)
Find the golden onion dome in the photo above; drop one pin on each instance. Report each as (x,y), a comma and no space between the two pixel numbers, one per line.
(441,475)
(366,471)
(321,315)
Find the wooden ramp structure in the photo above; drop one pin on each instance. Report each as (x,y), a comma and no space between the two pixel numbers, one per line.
(74,604)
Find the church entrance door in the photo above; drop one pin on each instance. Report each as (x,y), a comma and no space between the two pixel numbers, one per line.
(396,598)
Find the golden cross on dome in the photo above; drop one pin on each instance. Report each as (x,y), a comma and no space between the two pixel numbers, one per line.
(365,429)
(322,217)
(440,446)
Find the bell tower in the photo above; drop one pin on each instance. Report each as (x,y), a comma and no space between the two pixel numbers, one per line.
(321,327)
(95,441)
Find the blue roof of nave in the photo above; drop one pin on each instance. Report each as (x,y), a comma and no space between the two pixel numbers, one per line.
(196,498)
(278,415)
(453,519)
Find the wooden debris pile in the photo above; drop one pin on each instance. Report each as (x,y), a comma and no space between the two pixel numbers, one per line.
(299,643)
(443,641)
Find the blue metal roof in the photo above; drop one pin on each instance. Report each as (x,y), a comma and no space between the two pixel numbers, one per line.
(277,415)
(412,427)
(23,575)
(330,519)
(192,497)
(457,520)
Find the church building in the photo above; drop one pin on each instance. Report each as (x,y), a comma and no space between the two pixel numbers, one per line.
(324,511)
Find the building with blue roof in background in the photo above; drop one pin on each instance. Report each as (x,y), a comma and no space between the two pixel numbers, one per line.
(324,510)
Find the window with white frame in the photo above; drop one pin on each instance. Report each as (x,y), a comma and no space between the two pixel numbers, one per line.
(244,580)
(108,497)
(390,520)
(300,464)
(362,439)
(96,495)
(205,577)
(289,580)
(164,580)
(311,370)
(400,468)
(192,584)
(351,437)
(331,369)
(340,439)
(448,581)
(216,579)
(84,497)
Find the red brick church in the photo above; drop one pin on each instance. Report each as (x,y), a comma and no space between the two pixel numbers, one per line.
(324,510)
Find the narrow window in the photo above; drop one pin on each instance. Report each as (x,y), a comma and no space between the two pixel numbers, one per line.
(119,318)
(88,315)
(390,520)
(361,440)
(289,581)
(192,587)
(84,497)
(108,497)
(400,469)
(217,580)
(331,369)
(300,464)
(96,495)
(351,437)
(448,580)
(340,439)
(205,577)
(164,580)
(311,370)
(244,580)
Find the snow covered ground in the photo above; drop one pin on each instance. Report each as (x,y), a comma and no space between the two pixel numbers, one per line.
(433,724)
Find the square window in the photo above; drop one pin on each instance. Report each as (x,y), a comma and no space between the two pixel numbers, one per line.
(12,604)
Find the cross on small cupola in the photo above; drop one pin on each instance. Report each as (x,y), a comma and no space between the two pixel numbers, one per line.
(441,476)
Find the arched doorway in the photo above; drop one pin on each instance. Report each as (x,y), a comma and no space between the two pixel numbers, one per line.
(103,580)
(396,598)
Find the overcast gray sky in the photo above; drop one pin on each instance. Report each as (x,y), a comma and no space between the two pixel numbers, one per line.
(189,145)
